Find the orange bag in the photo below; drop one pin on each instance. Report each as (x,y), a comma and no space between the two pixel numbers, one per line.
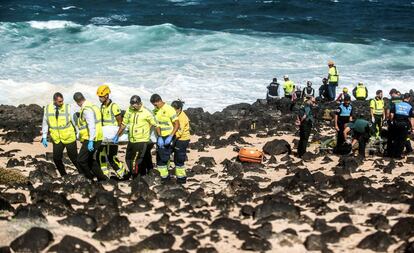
(250,155)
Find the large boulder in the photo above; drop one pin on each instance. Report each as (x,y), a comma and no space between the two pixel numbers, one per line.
(277,147)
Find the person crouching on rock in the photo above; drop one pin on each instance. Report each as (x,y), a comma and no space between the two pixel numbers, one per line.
(361,131)
(343,115)
(91,136)
(182,137)
(58,121)
(139,120)
(168,124)
(305,121)
(272,91)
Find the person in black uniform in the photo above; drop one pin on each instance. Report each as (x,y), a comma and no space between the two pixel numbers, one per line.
(272,91)
(343,115)
(401,119)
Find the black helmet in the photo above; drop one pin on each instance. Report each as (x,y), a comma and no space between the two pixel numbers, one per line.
(135,99)
(309,83)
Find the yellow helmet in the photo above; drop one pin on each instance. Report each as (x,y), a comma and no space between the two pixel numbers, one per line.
(345,90)
(103,90)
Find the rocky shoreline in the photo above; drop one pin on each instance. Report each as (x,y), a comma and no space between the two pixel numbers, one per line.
(322,202)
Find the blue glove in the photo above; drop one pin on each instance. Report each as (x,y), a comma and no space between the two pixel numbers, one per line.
(115,140)
(160,142)
(168,140)
(44,142)
(90,146)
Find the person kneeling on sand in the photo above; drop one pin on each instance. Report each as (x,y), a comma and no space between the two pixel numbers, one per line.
(361,131)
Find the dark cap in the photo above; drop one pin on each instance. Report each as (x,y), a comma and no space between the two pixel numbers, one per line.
(135,99)
(406,95)
(393,91)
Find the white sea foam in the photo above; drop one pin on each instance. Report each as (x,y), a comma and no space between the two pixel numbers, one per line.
(52,24)
(204,68)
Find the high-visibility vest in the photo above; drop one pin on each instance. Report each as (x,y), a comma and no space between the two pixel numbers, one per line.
(288,87)
(333,75)
(83,126)
(165,116)
(361,91)
(60,127)
(378,106)
(108,116)
(139,123)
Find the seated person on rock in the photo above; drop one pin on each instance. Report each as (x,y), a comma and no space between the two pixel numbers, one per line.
(272,91)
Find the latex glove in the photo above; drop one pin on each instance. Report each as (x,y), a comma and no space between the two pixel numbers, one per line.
(115,140)
(90,146)
(44,142)
(160,142)
(168,140)
(373,119)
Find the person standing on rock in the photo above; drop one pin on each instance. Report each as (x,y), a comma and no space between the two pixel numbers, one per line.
(323,90)
(360,131)
(305,121)
(182,140)
(91,136)
(168,125)
(139,121)
(111,116)
(333,79)
(288,87)
(343,115)
(272,91)
(401,117)
(377,112)
(58,121)
(360,92)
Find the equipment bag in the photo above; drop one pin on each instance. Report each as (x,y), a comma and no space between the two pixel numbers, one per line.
(250,155)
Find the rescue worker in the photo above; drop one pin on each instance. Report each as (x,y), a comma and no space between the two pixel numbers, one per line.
(401,117)
(341,96)
(343,115)
(182,140)
(360,92)
(308,91)
(58,121)
(272,91)
(323,90)
(167,126)
(305,121)
(139,120)
(91,136)
(288,87)
(333,79)
(111,116)
(377,112)
(395,99)
(360,131)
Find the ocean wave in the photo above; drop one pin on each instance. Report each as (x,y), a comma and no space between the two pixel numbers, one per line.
(204,68)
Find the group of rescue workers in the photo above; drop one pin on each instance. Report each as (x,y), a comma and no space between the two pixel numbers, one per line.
(398,116)
(166,126)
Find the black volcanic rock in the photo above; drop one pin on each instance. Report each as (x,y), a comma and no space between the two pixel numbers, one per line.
(82,221)
(378,241)
(34,240)
(277,147)
(73,245)
(116,228)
